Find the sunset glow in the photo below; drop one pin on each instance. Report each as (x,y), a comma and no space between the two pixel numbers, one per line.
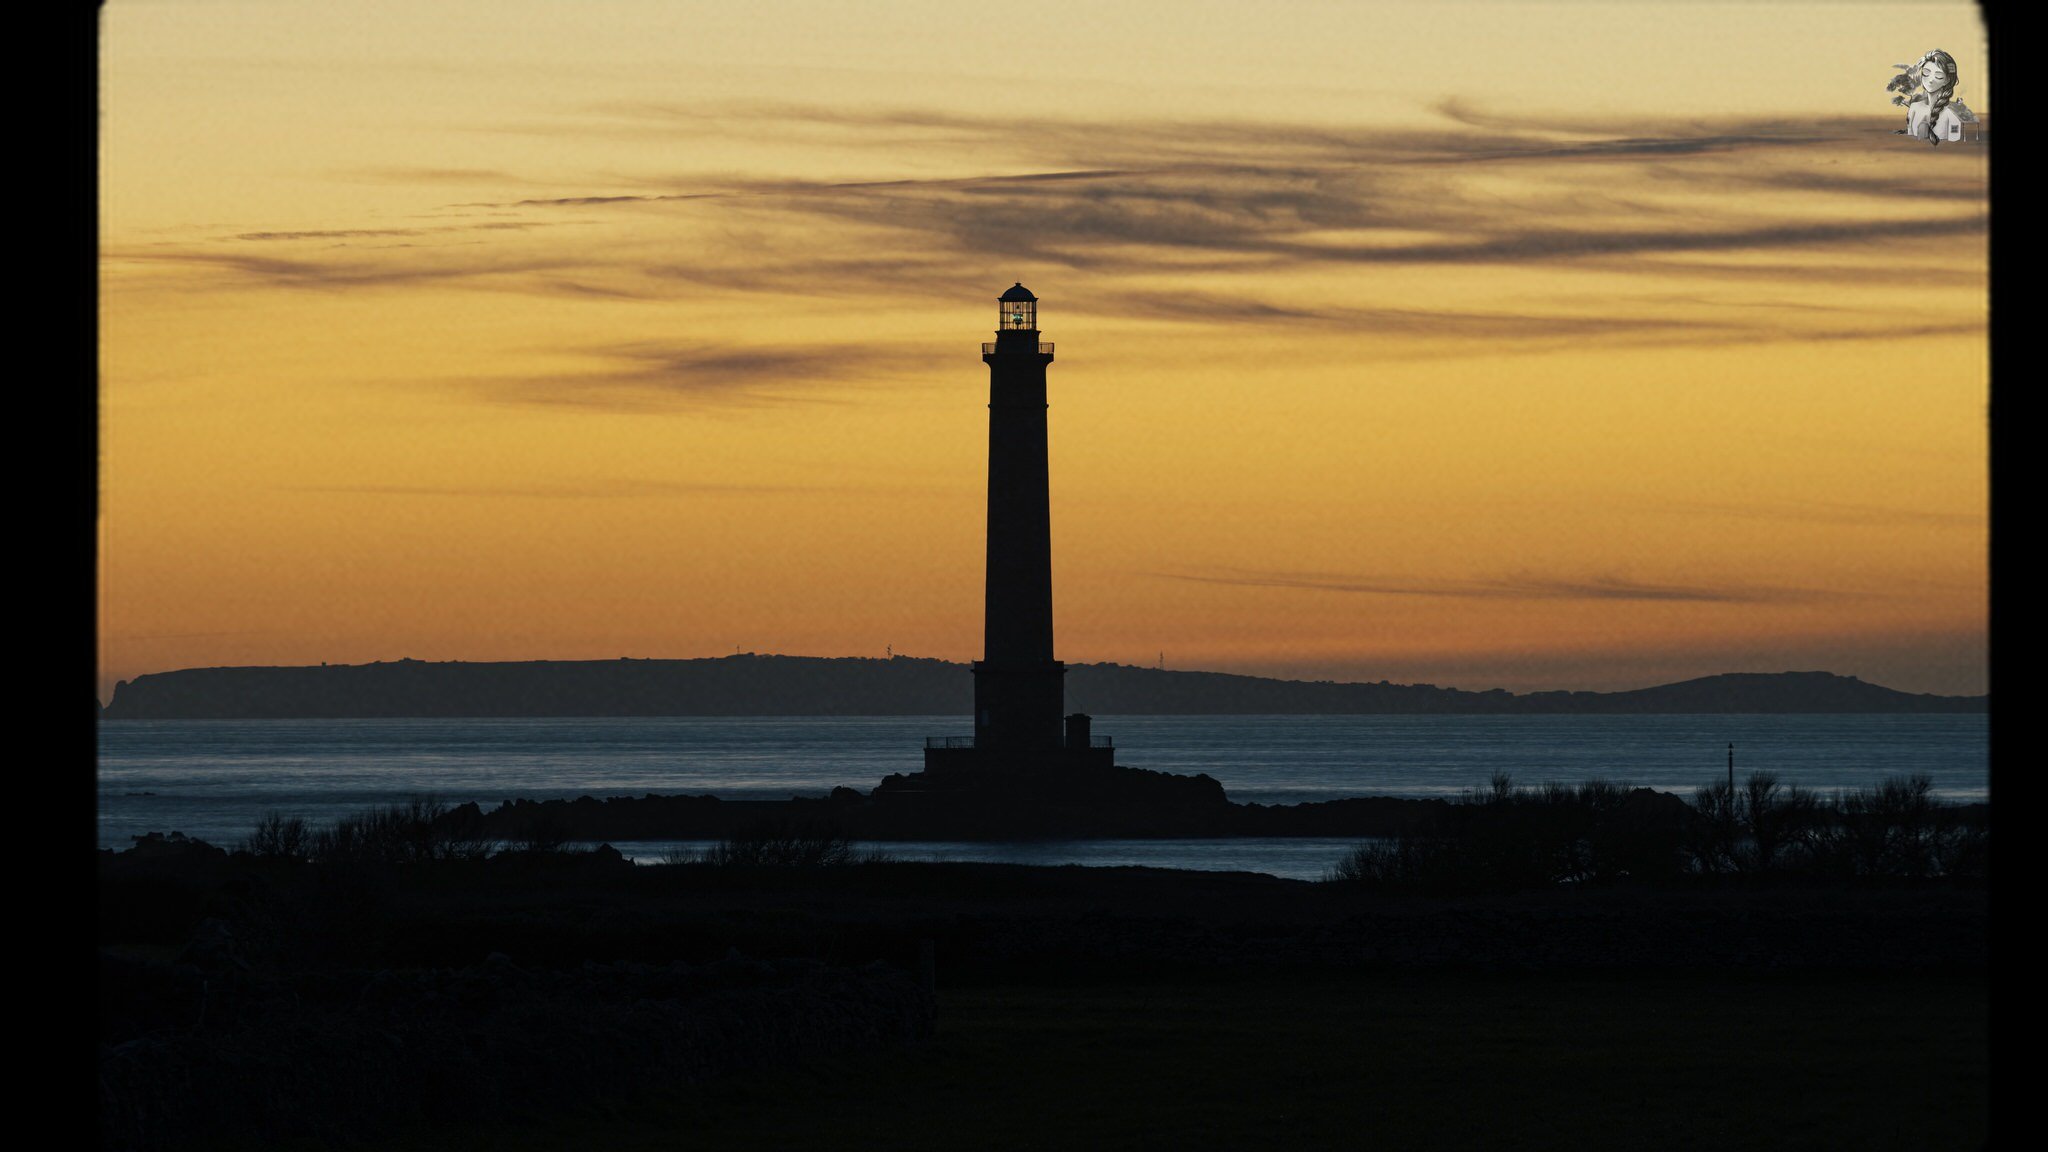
(1523,345)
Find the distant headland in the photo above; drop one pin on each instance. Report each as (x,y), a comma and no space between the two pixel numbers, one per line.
(761,685)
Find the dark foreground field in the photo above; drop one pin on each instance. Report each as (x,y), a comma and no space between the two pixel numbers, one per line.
(576,1001)
(1408,1060)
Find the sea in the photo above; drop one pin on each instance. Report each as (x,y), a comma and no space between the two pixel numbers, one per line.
(213,779)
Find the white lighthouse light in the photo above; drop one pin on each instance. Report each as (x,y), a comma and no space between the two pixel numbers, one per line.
(1018,310)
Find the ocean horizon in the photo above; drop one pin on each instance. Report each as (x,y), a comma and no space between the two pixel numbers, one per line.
(213,779)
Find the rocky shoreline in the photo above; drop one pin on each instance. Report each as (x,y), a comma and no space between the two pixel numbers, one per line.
(1115,803)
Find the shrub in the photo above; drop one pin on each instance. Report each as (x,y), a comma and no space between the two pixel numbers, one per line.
(1899,830)
(1710,836)
(1896,830)
(1404,862)
(414,832)
(1963,850)
(1777,822)
(782,845)
(279,837)
(546,835)
(1508,838)
(677,854)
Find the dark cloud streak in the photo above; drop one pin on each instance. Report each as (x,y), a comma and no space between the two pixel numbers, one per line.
(1512,588)
(1195,199)
(593,490)
(655,376)
(356,233)
(1826,512)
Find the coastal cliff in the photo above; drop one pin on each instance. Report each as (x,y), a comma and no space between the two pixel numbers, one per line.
(754,685)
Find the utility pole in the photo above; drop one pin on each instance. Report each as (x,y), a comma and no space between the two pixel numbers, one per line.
(1731,770)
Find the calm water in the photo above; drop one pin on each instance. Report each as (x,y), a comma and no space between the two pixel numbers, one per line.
(213,778)
(1298,858)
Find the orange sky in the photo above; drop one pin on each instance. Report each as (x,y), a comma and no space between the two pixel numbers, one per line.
(1516,344)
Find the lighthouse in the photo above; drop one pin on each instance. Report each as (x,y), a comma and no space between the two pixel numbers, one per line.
(1019,688)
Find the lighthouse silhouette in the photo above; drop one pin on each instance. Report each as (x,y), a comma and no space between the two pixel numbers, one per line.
(1019,688)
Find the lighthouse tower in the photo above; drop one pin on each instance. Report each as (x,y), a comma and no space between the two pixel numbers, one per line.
(1019,688)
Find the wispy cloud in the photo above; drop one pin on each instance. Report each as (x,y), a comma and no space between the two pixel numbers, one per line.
(583,201)
(653,376)
(1147,198)
(609,489)
(427,174)
(1829,512)
(1130,203)
(141,637)
(358,233)
(351,269)
(1501,588)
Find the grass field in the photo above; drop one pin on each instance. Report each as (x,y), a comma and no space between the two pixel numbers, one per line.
(1436,1061)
